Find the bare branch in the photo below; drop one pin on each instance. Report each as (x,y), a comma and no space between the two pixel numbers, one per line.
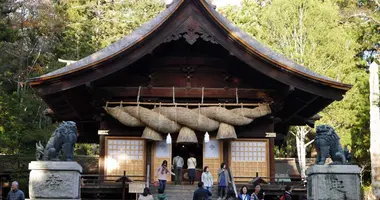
(307,144)
(377,3)
(364,15)
(293,133)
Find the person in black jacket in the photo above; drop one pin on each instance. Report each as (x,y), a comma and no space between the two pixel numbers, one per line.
(201,193)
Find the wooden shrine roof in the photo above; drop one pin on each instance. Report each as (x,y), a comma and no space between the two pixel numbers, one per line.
(249,43)
(76,92)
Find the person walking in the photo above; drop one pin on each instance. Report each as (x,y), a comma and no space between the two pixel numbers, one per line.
(15,193)
(243,194)
(223,180)
(191,165)
(146,195)
(201,193)
(286,195)
(162,174)
(256,190)
(177,166)
(207,179)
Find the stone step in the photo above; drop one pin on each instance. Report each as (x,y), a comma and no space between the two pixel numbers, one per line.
(182,192)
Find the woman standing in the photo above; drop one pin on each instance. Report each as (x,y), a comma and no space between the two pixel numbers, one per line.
(223,180)
(162,173)
(207,179)
(243,194)
(256,190)
(191,165)
(146,195)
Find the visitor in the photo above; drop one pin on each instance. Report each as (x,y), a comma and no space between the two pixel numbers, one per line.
(177,166)
(223,180)
(201,193)
(15,193)
(191,165)
(161,195)
(207,179)
(146,195)
(286,195)
(256,190)
(243,194)
(162,173)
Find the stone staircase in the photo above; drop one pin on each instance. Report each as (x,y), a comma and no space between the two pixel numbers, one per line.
(182,192)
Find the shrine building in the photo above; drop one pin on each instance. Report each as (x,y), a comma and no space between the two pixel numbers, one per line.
(187,81)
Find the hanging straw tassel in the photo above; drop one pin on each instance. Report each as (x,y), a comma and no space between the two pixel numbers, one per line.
(150,134)
(226,131)
(187,135)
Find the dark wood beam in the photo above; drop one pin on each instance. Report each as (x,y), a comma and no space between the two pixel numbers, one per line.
(300,109)
(167,92)
(77,114)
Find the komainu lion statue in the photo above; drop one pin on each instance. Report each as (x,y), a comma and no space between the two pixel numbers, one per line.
(63,138)
(327,143)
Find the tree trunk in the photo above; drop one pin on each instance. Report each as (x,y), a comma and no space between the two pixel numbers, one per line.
(375,127)
(300,135)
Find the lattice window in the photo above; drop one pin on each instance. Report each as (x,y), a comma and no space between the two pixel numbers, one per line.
(249,157)
(125,155)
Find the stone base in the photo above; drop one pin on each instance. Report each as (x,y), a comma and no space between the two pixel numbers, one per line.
(54,180)
(333,182)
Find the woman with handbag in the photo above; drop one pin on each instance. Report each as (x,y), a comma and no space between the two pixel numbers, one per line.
(162,174)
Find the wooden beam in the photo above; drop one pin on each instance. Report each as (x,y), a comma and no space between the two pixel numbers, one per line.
(167,92)
(300,109)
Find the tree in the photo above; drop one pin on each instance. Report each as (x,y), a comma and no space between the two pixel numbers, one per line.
(375,128)
(300,134)
(313,33)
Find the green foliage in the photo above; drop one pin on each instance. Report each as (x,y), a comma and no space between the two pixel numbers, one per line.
(31,45)
(314,34)
(86,149)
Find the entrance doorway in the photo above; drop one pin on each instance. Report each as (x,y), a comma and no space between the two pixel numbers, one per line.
(184,150)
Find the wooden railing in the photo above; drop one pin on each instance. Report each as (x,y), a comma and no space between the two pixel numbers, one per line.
(108,181)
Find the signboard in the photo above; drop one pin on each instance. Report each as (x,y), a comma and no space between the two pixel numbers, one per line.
(270,135)
(212,149)
(136,187)
(103,132)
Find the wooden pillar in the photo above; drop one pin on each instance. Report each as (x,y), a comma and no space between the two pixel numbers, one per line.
(271,159)
(102,154)
(272,169)
(148,158)
(226,149)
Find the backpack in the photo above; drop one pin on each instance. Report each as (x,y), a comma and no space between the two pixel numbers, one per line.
(283,197)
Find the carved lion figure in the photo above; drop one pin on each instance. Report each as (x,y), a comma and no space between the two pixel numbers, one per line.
(327,143)
(63,138)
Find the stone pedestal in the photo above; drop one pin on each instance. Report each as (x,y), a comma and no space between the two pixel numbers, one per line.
(56,180)
(333,182)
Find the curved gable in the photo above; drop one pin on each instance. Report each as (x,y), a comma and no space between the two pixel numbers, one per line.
(174,20)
